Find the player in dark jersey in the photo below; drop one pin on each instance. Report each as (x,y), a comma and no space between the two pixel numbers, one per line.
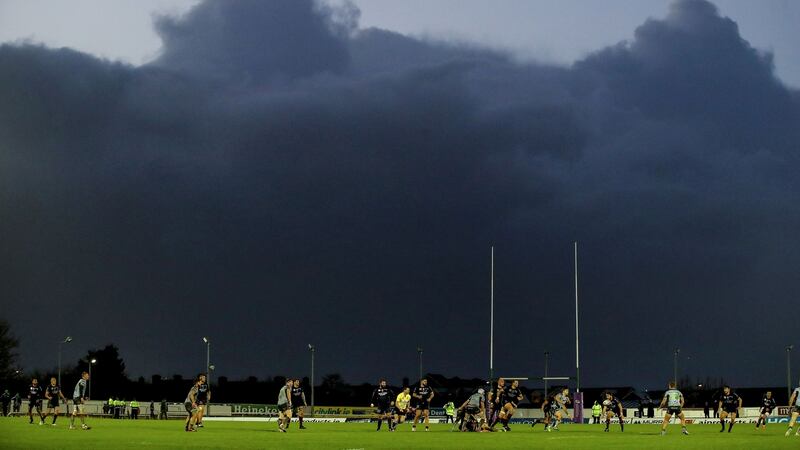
(613,407)
(35,395)
(53,394)
(767,405)
(547,411)
(512,397)
(383,401)
(423,394)
(729,404)
(497,398)
(203,398)
(298,402)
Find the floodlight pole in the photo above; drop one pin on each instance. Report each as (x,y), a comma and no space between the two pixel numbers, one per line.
(89,383)
(66,340)
(577,341)
(208,369)
(312,349)
(546,364)
(491,322)
(419,355)
(789,371)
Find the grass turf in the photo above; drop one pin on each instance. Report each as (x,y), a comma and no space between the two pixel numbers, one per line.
(16,433)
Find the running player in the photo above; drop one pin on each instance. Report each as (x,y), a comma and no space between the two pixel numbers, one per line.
(423,394)
(559,407)
(78,399)
(673,400)
(285,405)
(383,400)
(613,407)
(298,402)
(513,395)
(729,404)
(794,407)
(496,400)
(53,393)
(35,400)
(547,412)
(191,405)
(203,398)
(401,406)
(767,405)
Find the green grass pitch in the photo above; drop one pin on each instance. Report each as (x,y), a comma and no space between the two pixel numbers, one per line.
(16,433)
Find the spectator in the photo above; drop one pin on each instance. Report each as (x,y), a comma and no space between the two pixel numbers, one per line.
(449,411)
(5,399)
(596,410)
(163,413)
(641,408)
(650,408)
(17,402)
(134,409)
(706,411)
(152,410)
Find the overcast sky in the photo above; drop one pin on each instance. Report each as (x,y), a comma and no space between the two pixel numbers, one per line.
(559,31)
(277,173)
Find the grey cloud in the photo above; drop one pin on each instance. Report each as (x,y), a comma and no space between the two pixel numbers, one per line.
(276,158)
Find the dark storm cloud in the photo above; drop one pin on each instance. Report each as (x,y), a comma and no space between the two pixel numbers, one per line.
(278,171)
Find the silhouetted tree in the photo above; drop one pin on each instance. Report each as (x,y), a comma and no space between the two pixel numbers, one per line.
(8,355)
(108,373)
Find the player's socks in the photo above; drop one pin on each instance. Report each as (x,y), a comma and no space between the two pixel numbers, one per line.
(54,418)
(730,426)
(722,422)
(621,425)
(300,420)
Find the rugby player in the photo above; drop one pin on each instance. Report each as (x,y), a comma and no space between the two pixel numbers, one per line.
(298,402)
(35,400)
(767,405)
(401,406)
(383,400)
(512,397)
(559,407)
(547,410)
(496,400)
(729,404)
(203,398)
(285,406)
(613,407)
(473,410)
(423,394)
(78,399)
(191,405)
(794,407)
(53,393)
(673,400)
